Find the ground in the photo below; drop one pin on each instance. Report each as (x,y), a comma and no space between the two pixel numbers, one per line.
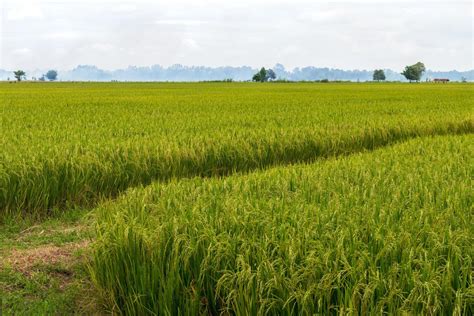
(44,267)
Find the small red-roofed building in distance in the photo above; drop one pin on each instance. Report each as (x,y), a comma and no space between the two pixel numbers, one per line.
(442,80)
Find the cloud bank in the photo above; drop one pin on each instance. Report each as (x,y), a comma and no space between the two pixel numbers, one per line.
(339,34)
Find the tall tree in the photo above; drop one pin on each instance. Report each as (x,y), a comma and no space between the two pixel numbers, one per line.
(263,75)
(260,76)
(414,72)
(378,75)
(256,77)
(52,75)
(19,75)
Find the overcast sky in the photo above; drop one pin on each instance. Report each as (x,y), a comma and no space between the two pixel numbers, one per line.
(349,34)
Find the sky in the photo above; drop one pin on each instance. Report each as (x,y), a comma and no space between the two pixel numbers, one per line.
(347,34)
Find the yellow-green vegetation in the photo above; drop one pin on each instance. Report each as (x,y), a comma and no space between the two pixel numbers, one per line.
(387,232)
(236,198)
(70,144)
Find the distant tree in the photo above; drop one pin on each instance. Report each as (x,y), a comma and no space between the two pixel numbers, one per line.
(378,75)
(51,75)
(420,69)
(463,79)
(19,75)
(414,72)
(409,73)
(41,78)
(260,76)
(263,75)
(271,74)
(256,77)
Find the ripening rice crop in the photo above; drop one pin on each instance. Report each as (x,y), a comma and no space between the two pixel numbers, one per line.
(385,232)
(70,144)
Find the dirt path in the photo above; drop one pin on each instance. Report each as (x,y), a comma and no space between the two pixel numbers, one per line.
(43,269)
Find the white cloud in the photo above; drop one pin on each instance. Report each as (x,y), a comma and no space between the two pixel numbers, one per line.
(125,7)
(102,47)
(320,16)
(62,35)
(341,33)
(21,51)
(22,10)
(184,22)
(190,43)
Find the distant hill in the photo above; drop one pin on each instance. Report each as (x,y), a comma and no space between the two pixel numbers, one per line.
(203,73)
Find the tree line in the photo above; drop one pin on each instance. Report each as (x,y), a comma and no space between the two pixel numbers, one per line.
(51,75)
(411,73)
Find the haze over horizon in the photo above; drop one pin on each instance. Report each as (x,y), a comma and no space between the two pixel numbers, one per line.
(349,34)
(255,67)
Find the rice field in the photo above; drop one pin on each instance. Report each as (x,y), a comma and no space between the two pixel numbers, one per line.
(72,144)
(387,232)
(252,199)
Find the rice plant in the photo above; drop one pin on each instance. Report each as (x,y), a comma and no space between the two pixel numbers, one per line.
(385,232)
(70,144)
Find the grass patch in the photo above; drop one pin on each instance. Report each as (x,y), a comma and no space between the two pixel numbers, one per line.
(43,267)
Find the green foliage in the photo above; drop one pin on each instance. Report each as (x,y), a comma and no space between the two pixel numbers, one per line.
(388,232)
(256,77)
(414,72)
(102,138)
(19,75)
(260,76)
(264,75)
(378,75)
(52,75)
